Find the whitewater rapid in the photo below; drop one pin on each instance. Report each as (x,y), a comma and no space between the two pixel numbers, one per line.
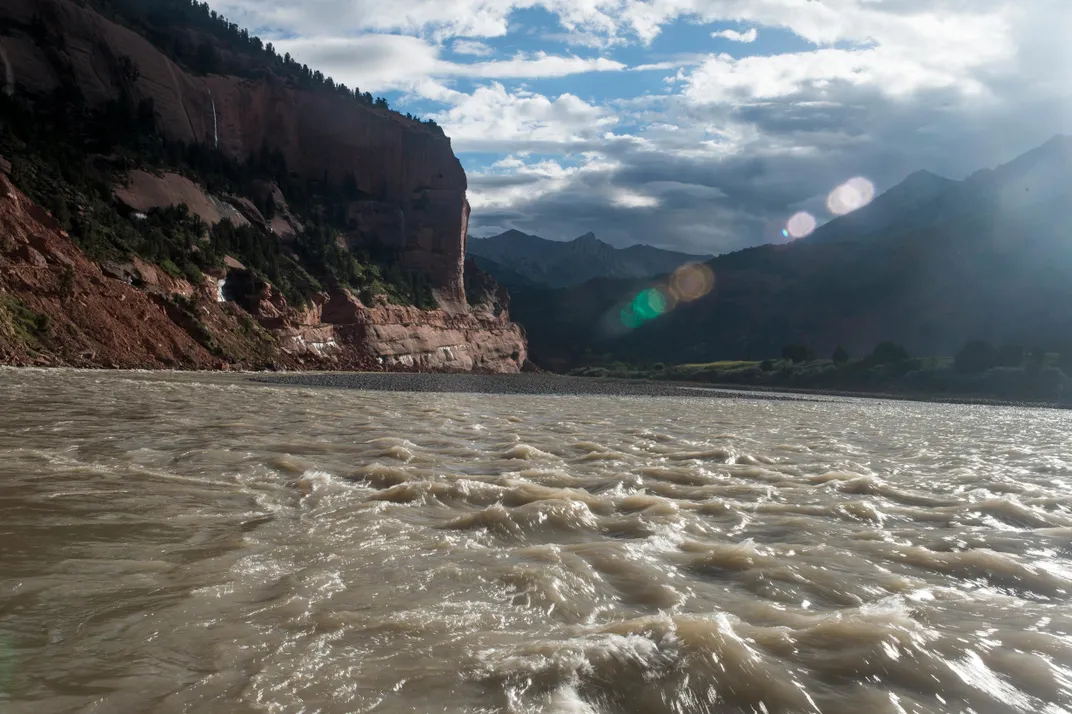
(200,543)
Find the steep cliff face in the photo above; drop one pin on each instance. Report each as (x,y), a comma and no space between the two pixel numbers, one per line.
(404,169)
(58,308)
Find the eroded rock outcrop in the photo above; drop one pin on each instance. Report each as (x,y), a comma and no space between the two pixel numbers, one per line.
(145,191)
(402,336)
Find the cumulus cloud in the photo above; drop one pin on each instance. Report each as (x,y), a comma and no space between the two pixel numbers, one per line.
(513,183)
(732,144)
(494,119)
(757,139)
(382,62)
(734,36)
(439,18)
(626,198)
(601,21)
(685,60)
(371,62)
(820,74)
(539,65)
(471,47)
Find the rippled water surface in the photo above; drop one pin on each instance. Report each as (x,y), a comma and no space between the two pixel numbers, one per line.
(203,544)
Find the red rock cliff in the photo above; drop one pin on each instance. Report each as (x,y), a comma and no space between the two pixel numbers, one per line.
(418,184)
(59,308)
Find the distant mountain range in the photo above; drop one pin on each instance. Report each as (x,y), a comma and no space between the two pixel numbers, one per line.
(519,260)
(930,264)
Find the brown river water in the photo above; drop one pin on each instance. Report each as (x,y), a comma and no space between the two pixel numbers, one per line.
(203,544)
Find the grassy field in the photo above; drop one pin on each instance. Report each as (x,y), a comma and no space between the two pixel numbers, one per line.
(726,364)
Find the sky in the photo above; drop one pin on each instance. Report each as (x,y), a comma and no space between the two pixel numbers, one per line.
(697,125)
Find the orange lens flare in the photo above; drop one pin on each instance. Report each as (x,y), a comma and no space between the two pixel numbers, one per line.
(691,282)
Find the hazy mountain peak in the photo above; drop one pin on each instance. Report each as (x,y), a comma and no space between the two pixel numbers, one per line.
(1059,142)
(566,263)
(511,234)
(1056,153)
(930,264)
(588,238)
(919,186)
(924,178)
(1038,176)
(915,191)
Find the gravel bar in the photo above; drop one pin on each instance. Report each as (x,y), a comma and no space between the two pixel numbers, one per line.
(535,384)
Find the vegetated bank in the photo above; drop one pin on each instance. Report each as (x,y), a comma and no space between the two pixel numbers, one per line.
(979,373)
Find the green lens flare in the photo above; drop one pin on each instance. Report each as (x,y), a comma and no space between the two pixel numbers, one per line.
(645,307)
(656,301)
(630,318)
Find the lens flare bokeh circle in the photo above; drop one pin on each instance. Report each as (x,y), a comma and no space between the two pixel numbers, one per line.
(850,196)
(801,225)
(691,282)
(645,307)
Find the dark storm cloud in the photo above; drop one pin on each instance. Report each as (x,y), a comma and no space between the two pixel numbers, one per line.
(816,148)
(730,147)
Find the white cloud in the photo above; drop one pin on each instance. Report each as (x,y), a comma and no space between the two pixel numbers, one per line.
(734,36)
(531,182)
(656,66)
(822,73)
(471,47)
(678,62)
(884,87)
(539,65)
(381,62)
(625,198)
(495,119)
(604,22)
(372,62)
(538,180)
(903,53)
(439,18)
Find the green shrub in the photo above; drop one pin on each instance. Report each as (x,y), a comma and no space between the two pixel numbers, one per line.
(30,327)
(798,353)
(888,353)
(192,273)
(170,268)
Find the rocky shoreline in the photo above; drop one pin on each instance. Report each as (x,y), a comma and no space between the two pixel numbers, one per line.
(553,384)
(520,384)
